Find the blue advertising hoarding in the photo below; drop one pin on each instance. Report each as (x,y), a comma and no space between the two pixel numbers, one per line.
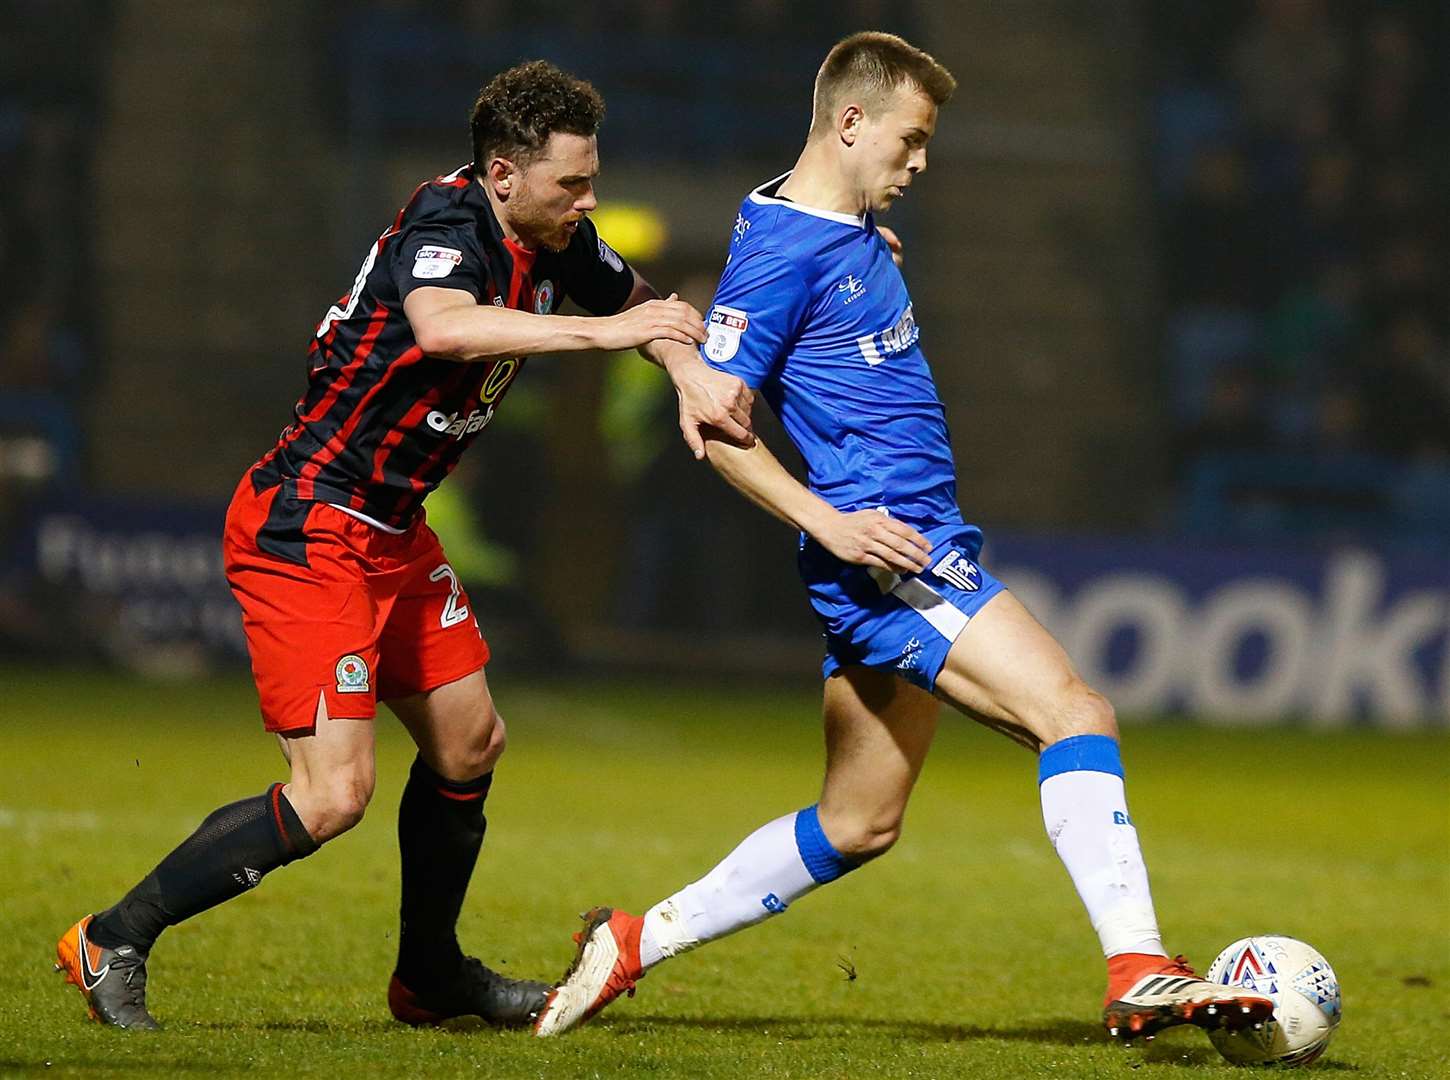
(1244,635)
(1240,635)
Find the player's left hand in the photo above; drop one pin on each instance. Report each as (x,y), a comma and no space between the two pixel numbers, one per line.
(893,242)
(712,399)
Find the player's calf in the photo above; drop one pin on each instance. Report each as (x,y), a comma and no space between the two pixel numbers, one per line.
(229,853)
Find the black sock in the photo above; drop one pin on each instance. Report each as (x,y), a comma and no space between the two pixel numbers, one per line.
(440,831)
(227,855)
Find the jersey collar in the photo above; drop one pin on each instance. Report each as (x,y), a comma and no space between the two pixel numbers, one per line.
(758,196)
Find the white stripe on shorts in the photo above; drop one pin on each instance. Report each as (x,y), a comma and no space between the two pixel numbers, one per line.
(935,608)
(921,597)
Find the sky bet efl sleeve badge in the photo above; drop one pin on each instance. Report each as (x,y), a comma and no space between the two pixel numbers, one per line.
(726,326)
(435,262)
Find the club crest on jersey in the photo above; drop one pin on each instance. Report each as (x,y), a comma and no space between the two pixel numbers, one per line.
(956,569)
(352,675)
(435,262)
(544,296)
(610,257)
(852,289)
(742,226)
(726,326)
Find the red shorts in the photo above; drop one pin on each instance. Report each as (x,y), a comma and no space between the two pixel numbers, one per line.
(371,616)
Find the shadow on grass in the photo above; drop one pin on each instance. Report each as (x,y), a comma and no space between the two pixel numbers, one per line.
(371,1027)
(1054,1032)
(1164,1055)
(1076,1033)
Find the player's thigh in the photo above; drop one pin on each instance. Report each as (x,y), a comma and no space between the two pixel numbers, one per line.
(333,772)
(1006,671)
(878,731)
(459,732)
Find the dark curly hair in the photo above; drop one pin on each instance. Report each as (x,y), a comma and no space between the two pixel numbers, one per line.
(517,111)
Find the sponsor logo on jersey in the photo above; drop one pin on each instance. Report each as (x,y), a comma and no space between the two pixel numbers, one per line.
(455,426)
(956,569)
(352,675)
(1121,818)
(726,326)
(896,339)
(610,257)
(435,262)
(544,296)
(852,289)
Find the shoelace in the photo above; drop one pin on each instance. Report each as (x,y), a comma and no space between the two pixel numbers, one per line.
(133,974)
(1180,966)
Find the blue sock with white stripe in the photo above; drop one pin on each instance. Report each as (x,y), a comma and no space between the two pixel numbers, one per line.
(1085,810)
(772,868)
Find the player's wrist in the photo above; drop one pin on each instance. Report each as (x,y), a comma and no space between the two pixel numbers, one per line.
(815,518)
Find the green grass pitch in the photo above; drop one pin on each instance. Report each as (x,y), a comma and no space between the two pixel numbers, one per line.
(972,956)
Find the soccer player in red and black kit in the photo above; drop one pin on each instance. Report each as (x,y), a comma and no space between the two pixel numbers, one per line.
(347,597)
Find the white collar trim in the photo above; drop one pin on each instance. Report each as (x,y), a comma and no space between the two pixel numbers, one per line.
(801,208)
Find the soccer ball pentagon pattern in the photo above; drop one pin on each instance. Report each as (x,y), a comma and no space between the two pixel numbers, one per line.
(1305,992)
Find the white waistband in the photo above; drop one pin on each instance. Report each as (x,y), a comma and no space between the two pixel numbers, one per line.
(367,520)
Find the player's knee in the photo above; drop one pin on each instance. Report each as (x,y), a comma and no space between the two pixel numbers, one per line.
(1091,714)
(478,752)
(1077,710)
(864,837)
(332,808)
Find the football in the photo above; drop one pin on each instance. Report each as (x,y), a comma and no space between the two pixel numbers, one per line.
(1305,992)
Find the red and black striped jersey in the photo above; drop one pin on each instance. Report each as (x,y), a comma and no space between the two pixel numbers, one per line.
(381,424)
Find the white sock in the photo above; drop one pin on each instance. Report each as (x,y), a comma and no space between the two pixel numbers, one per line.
(773,867)
(1085,810)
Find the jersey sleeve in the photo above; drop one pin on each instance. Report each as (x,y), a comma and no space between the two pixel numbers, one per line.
(594,274)
(759,306)
(439,255)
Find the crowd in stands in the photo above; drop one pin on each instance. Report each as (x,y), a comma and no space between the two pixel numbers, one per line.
(1301,173)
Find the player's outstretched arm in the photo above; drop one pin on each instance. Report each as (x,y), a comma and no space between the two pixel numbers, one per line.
(709,399)
(451,324)
(863,537)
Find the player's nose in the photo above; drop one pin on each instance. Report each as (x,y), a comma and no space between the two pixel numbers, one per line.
(586,202)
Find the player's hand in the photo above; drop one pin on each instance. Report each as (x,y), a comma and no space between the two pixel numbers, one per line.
(893,242)
(712,399)
(670,319)
(870,538)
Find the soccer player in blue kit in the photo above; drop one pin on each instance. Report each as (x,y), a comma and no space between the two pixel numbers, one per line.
(812,311)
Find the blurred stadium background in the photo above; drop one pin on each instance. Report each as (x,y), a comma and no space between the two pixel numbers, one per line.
(1180,267)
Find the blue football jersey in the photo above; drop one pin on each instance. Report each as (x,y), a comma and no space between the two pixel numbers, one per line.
(813,313)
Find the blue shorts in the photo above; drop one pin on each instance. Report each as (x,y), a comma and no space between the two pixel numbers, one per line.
(904,625)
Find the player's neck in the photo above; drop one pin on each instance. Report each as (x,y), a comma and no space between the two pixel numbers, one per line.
(817,182)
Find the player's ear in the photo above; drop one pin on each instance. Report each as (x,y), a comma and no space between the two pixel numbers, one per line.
(848,123)
(503,176)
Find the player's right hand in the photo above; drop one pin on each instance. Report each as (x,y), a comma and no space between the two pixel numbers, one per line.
(870,538)
(671,319)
